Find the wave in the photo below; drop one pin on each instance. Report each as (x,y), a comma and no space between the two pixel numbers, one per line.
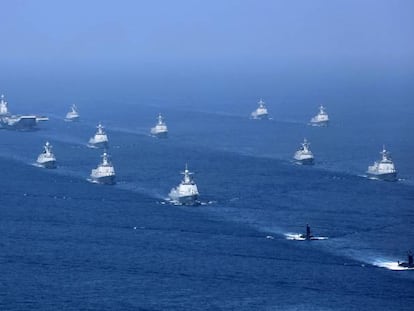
(390,265)
(133,187)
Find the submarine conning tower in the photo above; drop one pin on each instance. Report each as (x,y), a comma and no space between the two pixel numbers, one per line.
(308,232)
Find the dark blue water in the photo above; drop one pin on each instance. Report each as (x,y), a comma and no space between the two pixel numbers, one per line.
(67,244)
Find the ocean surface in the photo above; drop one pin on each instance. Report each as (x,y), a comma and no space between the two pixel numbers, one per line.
(68,244)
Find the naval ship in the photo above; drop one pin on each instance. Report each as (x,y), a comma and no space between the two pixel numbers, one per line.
(304,155)
(17,122)
(321,119)
(383,169)
(261,111)
(186,193)
(73,114)
(47,159)
(160,130)
(105,172)
(100,139)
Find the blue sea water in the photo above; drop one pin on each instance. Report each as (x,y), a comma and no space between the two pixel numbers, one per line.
(67,244)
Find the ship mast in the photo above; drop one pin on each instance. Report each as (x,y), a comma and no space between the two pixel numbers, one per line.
(384,153)
(321,109)
(186,173)
(160,121)
(305,144)
(48,148)
(261,103)
(100,128)
(105,160)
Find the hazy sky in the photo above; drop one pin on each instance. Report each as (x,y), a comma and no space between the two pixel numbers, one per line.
(243,32)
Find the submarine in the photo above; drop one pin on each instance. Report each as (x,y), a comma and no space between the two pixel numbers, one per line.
(308,236)
(410,263)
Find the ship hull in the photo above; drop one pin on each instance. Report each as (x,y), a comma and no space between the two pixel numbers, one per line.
(72,119)
(307,161)
(19,123)
(104,180)
(186,200)
(406,265)
(48,164)
(260,117)
(102,145)
(160,134)
(385,177)
(319,123)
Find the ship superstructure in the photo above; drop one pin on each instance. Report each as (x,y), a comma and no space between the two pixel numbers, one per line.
(4,106)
